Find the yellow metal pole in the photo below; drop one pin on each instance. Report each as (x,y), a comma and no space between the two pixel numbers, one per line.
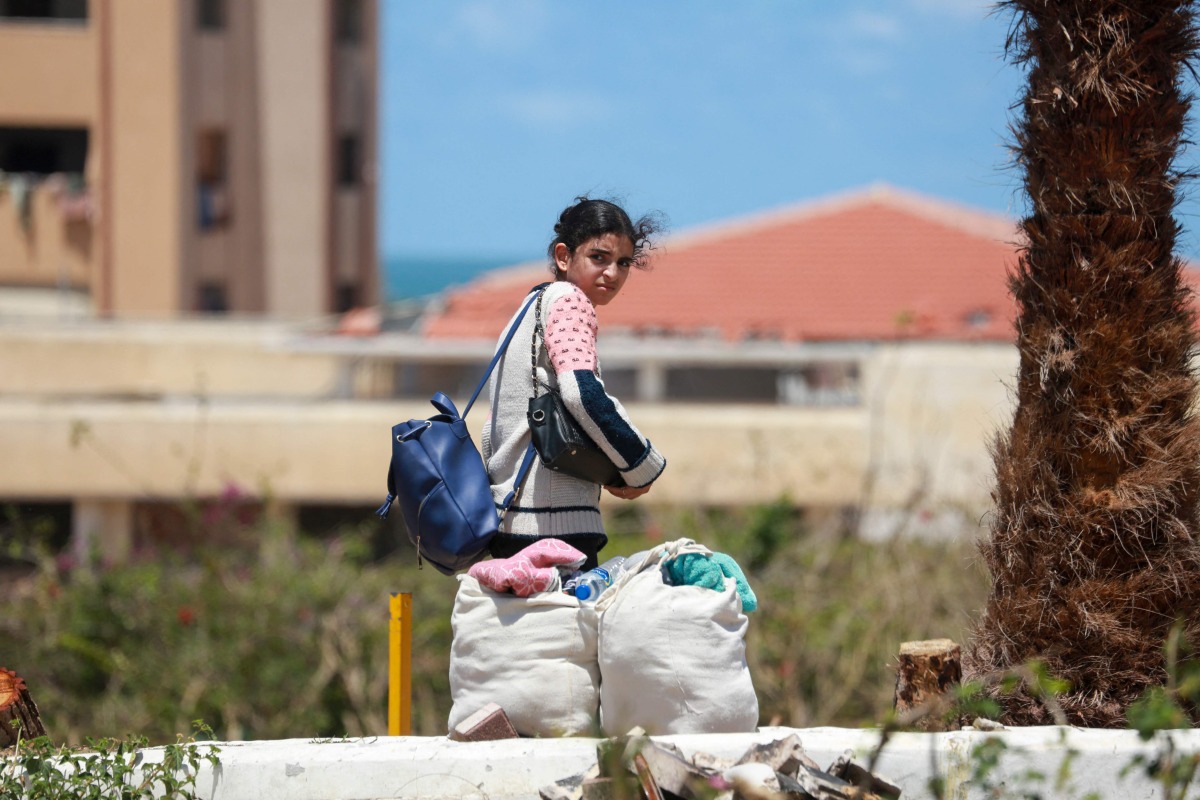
(400,665)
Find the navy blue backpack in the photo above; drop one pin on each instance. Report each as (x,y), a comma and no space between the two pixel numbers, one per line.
(441,483)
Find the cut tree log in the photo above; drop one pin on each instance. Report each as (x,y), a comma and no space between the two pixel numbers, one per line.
(926,670)
(19,717)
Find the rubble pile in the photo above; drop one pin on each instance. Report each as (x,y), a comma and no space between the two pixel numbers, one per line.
(636,766)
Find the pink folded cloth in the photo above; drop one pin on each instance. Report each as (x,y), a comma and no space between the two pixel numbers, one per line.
(534,569)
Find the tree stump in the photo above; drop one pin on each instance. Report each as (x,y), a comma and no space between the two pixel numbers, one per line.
(927,669)
(18,713)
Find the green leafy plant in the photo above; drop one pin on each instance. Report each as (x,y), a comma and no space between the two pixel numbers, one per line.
(105,769)
(1162,709)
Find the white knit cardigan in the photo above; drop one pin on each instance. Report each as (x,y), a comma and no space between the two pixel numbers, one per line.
(550,503)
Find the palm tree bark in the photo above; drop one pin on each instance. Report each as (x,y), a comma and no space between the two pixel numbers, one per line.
(1093,548)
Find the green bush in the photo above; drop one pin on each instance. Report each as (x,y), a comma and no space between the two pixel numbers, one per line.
(286,636)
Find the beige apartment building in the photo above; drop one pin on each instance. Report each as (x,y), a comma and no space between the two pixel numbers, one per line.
(162,158)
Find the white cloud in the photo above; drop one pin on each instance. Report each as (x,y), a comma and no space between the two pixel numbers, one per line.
(553,108)
(865,42)
(959,9)
(874,26)
(502,25)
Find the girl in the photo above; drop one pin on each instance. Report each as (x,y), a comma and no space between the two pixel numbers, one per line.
(594,248)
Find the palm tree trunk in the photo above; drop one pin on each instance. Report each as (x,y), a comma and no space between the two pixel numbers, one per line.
(1093,549)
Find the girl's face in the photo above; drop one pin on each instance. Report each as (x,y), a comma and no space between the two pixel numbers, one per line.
(598,267)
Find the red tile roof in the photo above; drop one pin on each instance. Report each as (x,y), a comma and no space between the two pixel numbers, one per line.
(876,264)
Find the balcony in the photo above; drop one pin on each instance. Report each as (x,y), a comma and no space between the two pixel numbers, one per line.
(46,231)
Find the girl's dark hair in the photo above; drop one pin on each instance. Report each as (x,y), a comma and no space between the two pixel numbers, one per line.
(586,219)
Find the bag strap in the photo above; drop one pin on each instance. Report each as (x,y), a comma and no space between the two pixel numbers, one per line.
(526,463)
(382,511)
(538,333)
(504,345)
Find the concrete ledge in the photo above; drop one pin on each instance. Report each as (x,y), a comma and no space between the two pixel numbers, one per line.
(428,768)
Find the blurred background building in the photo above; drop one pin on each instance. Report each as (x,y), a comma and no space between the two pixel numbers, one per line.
(848,354)
(191,315)
(165,158)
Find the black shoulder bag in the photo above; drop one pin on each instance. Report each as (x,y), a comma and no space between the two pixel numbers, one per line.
(559,440)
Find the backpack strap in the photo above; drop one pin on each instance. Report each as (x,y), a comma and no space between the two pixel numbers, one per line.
(504,345)
(527,462)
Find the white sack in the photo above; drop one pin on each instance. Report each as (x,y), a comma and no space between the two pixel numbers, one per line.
(673,659)
(534,656)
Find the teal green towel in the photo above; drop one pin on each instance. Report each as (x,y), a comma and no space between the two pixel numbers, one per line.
(697,569)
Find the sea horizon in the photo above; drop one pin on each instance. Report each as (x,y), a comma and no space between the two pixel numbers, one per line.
(411,276)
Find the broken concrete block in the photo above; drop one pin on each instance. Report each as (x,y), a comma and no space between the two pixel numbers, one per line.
(711,763)
(569,788)
(821,785)
(755,781)
(984,724)
(784,755)
(485,725)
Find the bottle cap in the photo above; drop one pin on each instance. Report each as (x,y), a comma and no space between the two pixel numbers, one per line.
(583,592)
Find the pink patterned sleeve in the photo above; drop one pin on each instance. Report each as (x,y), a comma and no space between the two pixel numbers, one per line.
(571,346)
(571,333)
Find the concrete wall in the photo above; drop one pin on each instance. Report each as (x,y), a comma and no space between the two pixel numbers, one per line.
(1033,762)
(145,208)
(83,361)
(164,411)
(292,47)
(221,74)
(41,83)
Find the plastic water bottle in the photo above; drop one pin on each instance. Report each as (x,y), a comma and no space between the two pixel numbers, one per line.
(593,582)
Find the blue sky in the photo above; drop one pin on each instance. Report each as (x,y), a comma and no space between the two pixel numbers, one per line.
(495,113)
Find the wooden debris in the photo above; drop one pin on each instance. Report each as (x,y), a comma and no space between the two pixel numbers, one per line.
(650,788)
(19,716)
(599,789)
(485,725)
(778,770)
(847,769)
(926,671)
(674,773)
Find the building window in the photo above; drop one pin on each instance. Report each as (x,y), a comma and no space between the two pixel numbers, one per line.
(978,318)
(349,160)
(721,385)
(211,298)
(833,383)
(423,379)
(828,383)
(45,10)
(210,15)
(212,196)
(43,150)
(348,21)
(345,296)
